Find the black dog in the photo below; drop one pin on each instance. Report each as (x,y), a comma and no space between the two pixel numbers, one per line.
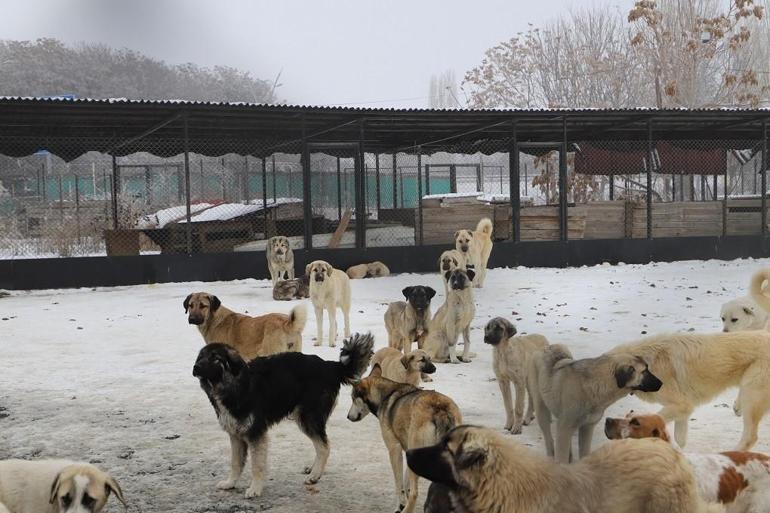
(250,397)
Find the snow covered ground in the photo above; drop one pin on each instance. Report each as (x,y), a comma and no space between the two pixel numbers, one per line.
(104,375)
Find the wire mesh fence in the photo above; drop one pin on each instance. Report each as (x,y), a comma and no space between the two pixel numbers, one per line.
(141,203)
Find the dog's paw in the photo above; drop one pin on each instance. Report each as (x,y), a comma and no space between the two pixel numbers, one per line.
(317,343)
(516,429)
(312,479)
(464,360)
(427,379)
(227,484)
(307,470)
(527,421)
(737,408)
(255,490)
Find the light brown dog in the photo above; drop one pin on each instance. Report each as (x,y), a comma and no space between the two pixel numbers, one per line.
(54,486)
(280,259)
(725,477)
(251,336)
(403,368)
(476,246)
(409,418)
(489,473)
(329,290)
(511,359)
(450,260)
(372,270)
(453,318)
(408,321)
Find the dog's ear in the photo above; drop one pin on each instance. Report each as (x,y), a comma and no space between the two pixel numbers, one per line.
(307,269)
(472,454)
(405,360)
(470,274)
(623,375)
(215,303)
(457,234)
(748,311)
(447,275)
(186,303)
(376,371)
(112,486)
(407,292)
(329,269)
(510,329)
(430,292)
(55,488)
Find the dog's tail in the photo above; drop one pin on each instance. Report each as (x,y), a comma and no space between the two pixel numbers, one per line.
(485,226)
(758,286)
(553,354)
(354,356)
(297,319)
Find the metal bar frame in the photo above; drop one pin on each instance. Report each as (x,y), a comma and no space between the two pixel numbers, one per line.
(649,178)
(514,185)
(360,186)
(188,213)
(563,212)
(763,172)
(419,196)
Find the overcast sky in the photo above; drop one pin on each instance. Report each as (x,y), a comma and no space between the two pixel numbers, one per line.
(353,52)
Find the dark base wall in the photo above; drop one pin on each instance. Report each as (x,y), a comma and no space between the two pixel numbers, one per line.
(134,270)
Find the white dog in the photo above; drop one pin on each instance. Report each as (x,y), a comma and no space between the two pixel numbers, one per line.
(329,290)
(742,314)
(54,486)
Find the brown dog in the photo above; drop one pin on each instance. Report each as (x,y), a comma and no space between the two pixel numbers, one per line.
(372,270)
(250,336)
(404,368)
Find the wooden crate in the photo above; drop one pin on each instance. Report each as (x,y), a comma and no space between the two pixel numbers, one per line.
(679,219)
(441,223)
(542,223)
(122,242)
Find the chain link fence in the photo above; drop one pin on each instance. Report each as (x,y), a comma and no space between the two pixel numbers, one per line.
(141,203)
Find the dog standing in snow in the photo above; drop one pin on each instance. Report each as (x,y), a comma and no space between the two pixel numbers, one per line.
(329,290)
(476,246)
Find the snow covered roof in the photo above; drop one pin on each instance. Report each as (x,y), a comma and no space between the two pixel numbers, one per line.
(207,212)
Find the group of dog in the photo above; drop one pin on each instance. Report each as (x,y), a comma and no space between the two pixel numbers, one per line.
(255,375)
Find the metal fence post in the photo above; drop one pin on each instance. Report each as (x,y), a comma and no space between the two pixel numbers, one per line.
(395,183)
(563,213)
(339,190)
(114,192)
(306,190)
(764,177)
(275,180)
(264,195)
(188,225)
(360,187)
(419,196)
(514,185)
(649,178)
(377,183)
(427,179)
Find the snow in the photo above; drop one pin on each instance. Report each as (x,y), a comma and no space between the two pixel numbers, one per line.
(169,215)
(105,375)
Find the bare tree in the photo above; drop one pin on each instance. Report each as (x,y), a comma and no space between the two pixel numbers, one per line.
(443,91)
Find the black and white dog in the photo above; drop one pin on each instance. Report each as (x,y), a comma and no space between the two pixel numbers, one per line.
(251,397)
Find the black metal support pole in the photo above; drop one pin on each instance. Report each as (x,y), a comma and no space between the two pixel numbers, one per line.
(427,179)
(306,190)
(114,192)
(612,187)
(514,185)
(395,183)
(275,195)
(264,195)
(188,225)
(649,179)
(377,182)
(360,187)
(763,171)
(245,180)
(563,213)
(716,197)
(419,196)
(452,178)
(724,205)
(339,191)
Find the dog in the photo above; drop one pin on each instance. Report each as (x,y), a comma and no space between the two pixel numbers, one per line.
(577,392)
(695,368)
(373,270)
(329,290)
(511,359)
(403,368)
(408,321)
(722,477)
(742,314)
(55,486)
(286,290)
(409,418)
(280,259)
(250,397)
(250,336)
(476,246)
(450,260)
(453,318)
(488,473)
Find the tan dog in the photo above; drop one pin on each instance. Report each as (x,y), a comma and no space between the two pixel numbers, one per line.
(511,360)
(453,318)
(373,270)
(450,260)
(695,368)
(329,290)
(409,418)
(403,368)
(251,336)
(280,259)
(722,477)
(488,473)
(577,392)
(476,246)
(54,486)
(297,288)
(408,321)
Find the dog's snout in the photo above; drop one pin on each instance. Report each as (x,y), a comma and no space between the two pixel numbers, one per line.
(196,370)
(194,319)
(609,428)
(464,247)
(429,368)
(319,277)
(650,382)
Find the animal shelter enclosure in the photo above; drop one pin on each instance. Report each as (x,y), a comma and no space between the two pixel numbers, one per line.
(152,179)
